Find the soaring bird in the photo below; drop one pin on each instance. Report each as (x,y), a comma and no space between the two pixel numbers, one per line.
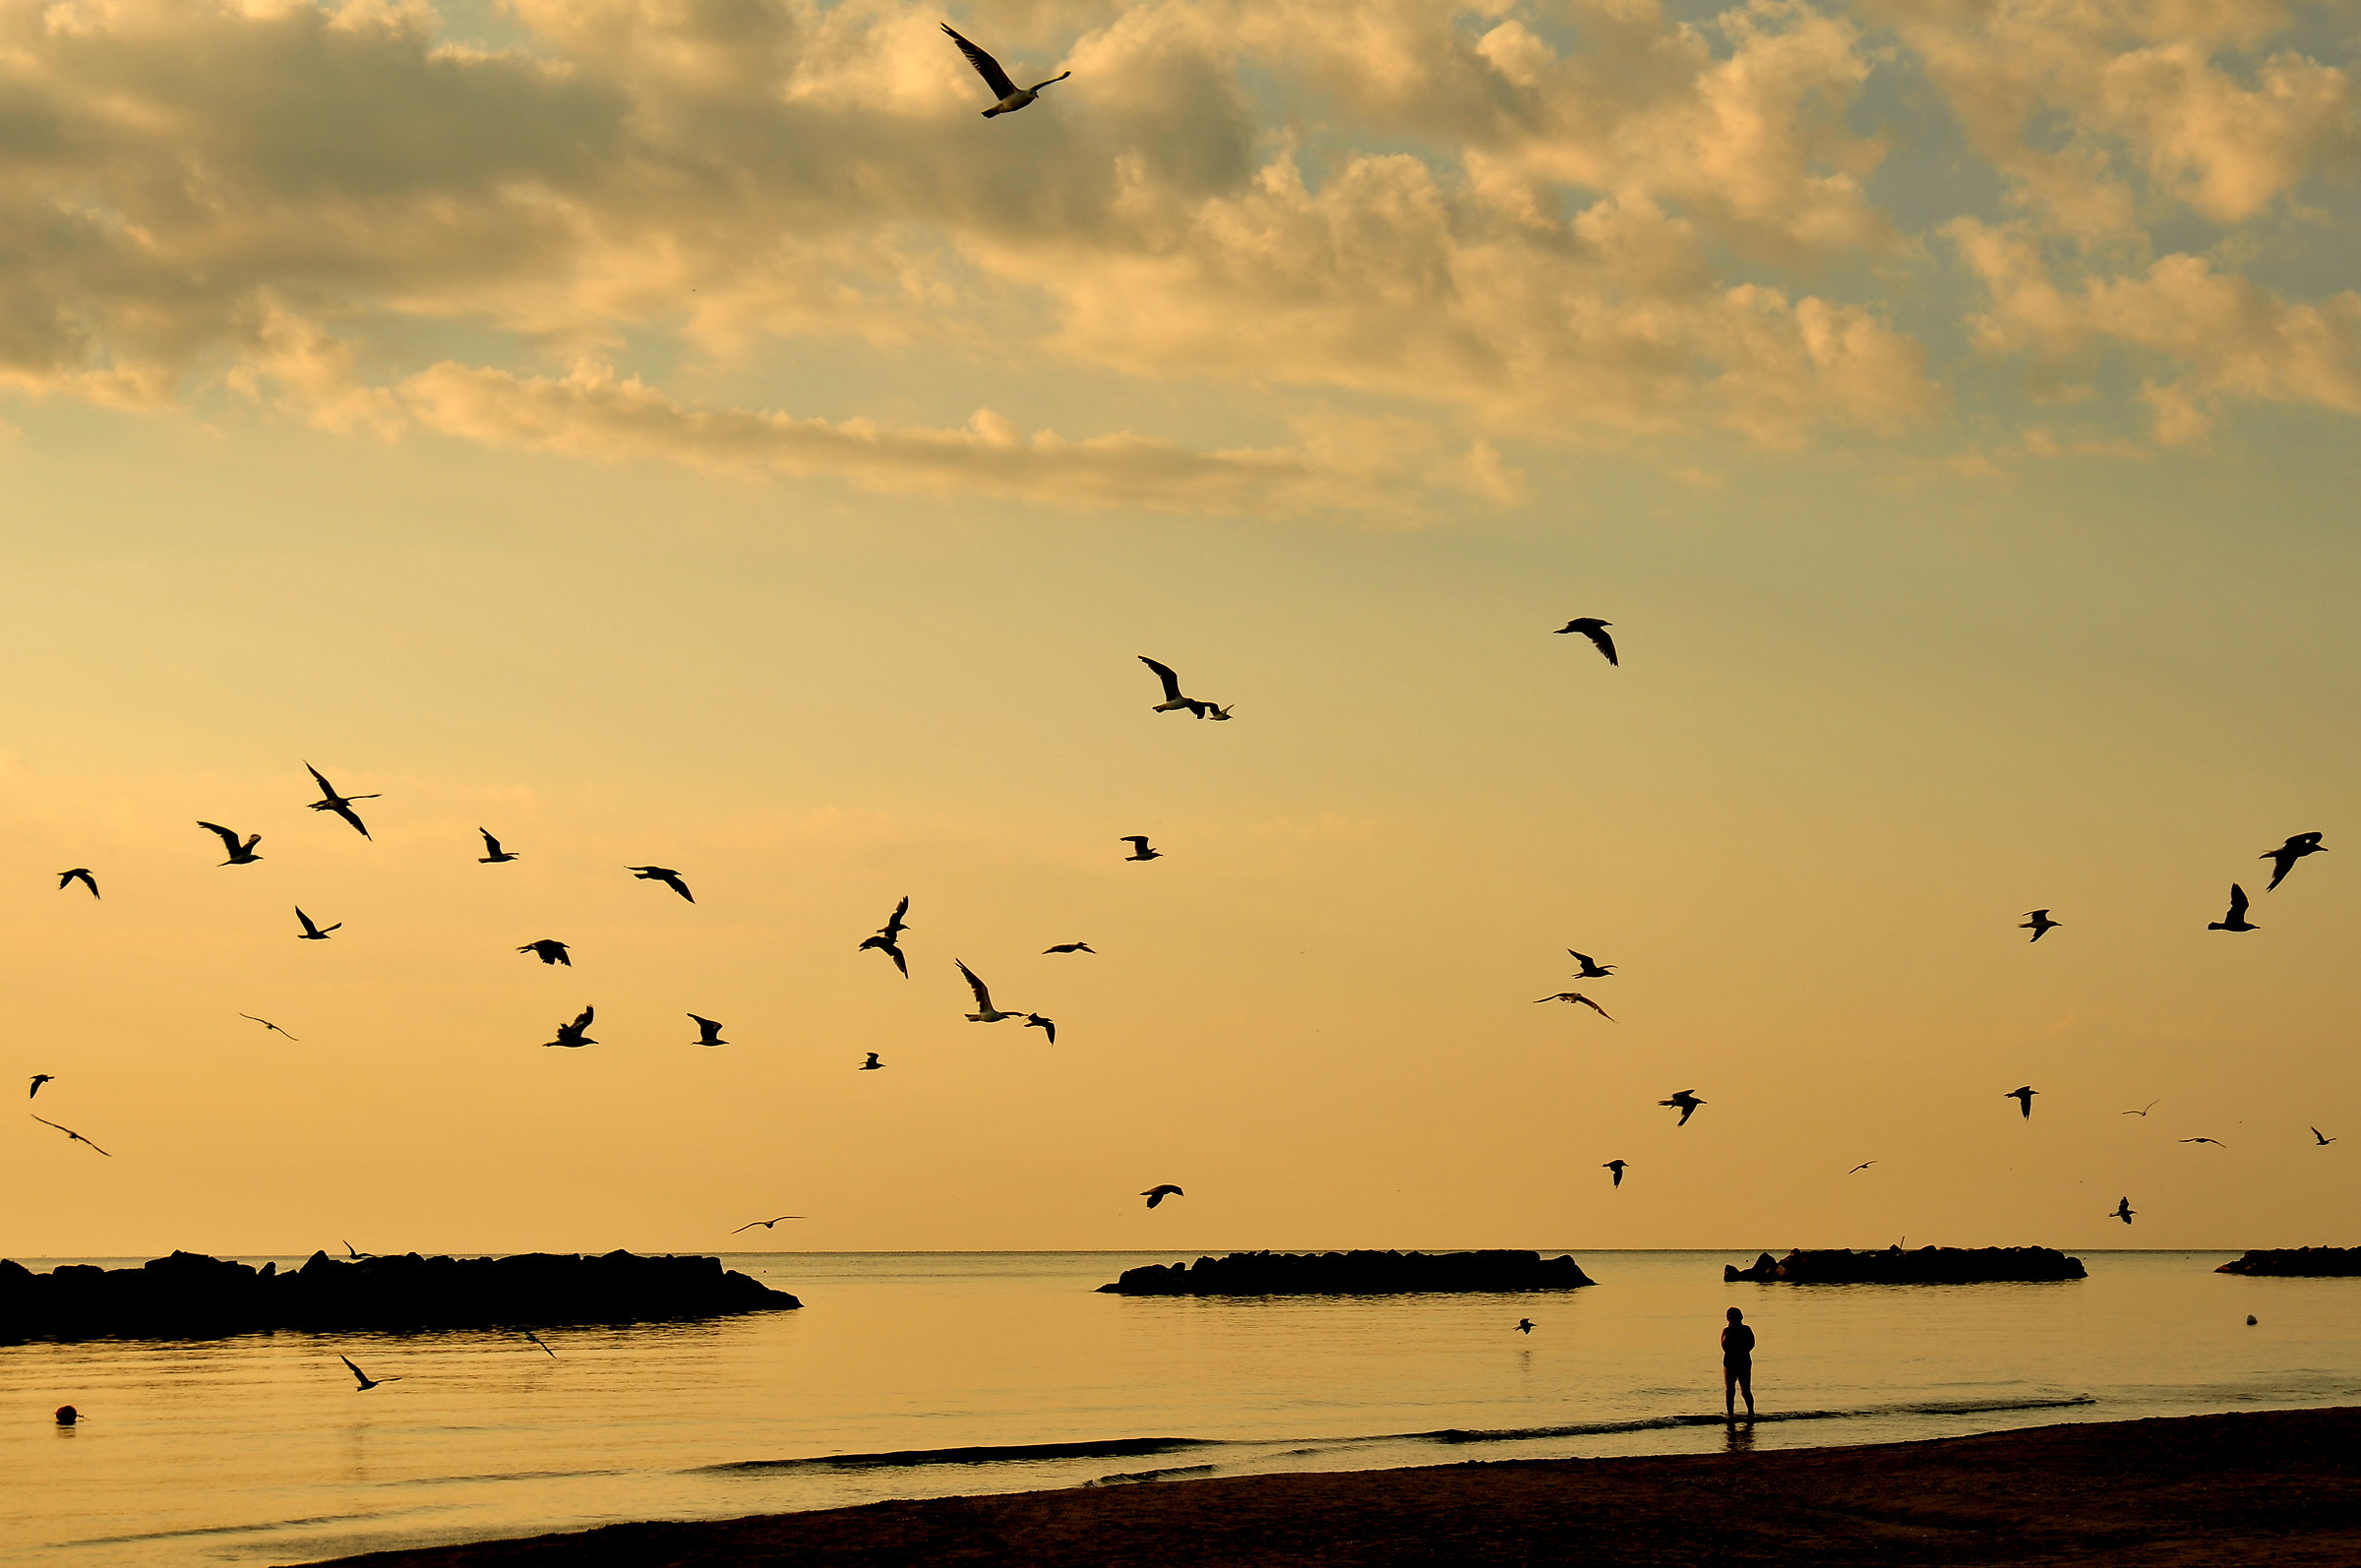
(1688,1102)
(364,1380)
(665,875)
(1592,968)
(313,933)
(2319,1141)
(1596,630)
(341,804)
(531,1338)
(985,1012)
(873,1064)
(1523,1325)
(1617,1167)
(888,939)
(1161,1191)
(1011,96)
(80,874)
(2283,859)
(2216,1142)
(575,1034)
(1575,995)
(355,1254)
(2236,919)
(41,1079)
(1173,702)
(2123,1211)
(2038,922)
(267,1025)
(766,1224)
(494,855)
(2144,1109)
(68,1132)
(1047,1026)
(549,950)
(2024,1099)
(240,853)
(1139,847)
(1858,1169)
(708,1033)
(1070,947)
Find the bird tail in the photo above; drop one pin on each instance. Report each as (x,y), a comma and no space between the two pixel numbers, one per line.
(995,109)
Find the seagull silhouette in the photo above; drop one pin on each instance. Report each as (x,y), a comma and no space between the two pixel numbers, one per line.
(1592,968)
(1575,997)
(531,1338)
(314,932)
(494,855)
(549,950)
(80,874)
(1173,702)
(2038,922)
(2283,859)
(985,1012)
(1523,1325)
(888,939)
(1686,1100)
(708,1033)
(1139,847)
(364,1380)
(873,1064)
(766,1224)
(355,1252)
(2236,919)
(2320,1141)
(1011,97)
(239,853)
(1858,1169)
(2123,1211)
(68,1131)
(1069,947)
(2023,1098)
(1161,1191)
(2144,1109)
(1596,630)
(1047,1026)
(267,1024)
(665,875)
(575,1034)
(1617,1167)
(41,1079)
(341,804)
(2216,1142)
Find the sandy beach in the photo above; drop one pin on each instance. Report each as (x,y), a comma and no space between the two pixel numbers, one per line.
(2279,1487)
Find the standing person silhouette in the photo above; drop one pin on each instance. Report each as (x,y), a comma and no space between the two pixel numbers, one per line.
(1737,1367)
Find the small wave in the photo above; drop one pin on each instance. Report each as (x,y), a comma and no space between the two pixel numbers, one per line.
(986,1454)
(1958,1406)
(1138,1476)
(219,1530)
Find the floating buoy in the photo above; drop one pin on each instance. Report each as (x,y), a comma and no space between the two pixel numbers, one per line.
(67,1416)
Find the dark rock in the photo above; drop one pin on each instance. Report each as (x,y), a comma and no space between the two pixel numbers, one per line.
(1352,1274)
(1928,1265)
(2301,1262)
(191,1295)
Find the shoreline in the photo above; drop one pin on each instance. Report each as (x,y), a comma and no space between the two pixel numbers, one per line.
(2189,1491)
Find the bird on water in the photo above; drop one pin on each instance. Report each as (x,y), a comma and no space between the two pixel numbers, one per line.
(2236,919)
(985,1012)
(549,950)
(1139,847)
(1161,1191)
(2283,859)
(494,855)
(888,939)
(1011,97)
(312,931)
(575,1033)
(2038,922)
(70,1133)
(80,874)
(1686,1102)
(2024,1099)
(240,853)
(665,875)
(1576,996)
(341,804)
(364,1380)
(1596,630)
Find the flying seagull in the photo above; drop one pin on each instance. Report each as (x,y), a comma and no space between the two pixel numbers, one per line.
(1688,1102)
(41,1079)
(240,853)
(494,855)
(1592,968)
(665,875)
(341,804)
(1047,1026)
(1615,1166)
(873,1064)
(364,1380)
(2236,919)
(888,939)
(2038,922)
(1858,1169)
(313,933)
(1070,947)
(1596,630)
(267,1024)
(1161,1191)
(2317,1139)
(708,1033)
(2023,1098)
(80,874)
(574,1034)
(1575,995)
(68,1131)
(549,950)
(2144,1109)
(2123,1211)
(1139,847)
(2216,1142)
(1011,96)
(531,1338)
(355,1252)
(1173,702)
(2283,859)
(1523,1325)
(985,1012)
(766,1224)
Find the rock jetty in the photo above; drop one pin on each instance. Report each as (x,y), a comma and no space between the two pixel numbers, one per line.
(1353,1274)
(1928,1265)
(2299,1262)
(191,1295)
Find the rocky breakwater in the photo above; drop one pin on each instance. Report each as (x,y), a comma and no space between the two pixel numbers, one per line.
(191,1295)
(1353,1274)
(2299,1262)
(1928,1265)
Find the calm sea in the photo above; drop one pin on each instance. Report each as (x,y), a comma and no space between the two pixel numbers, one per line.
(258,1449)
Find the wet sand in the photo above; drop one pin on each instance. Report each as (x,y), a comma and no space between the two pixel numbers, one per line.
(2281,1488)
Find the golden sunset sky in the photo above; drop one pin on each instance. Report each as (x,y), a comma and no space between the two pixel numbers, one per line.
(683,431)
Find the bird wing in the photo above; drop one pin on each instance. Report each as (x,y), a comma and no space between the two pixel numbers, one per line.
(1607,644)
(491,844)
(899,962)
(1164,672)
(350,815)
(327,791)
(983,997)
(308,928)
(581,1020)
(228,838)
(893,923)
(1594,1006)
(985,66)
(2237,901)
(750,1225)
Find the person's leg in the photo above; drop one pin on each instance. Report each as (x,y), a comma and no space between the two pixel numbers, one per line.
(1746,1380)
(1729,1391)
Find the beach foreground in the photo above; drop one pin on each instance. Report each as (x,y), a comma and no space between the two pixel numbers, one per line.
(2279,1487)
